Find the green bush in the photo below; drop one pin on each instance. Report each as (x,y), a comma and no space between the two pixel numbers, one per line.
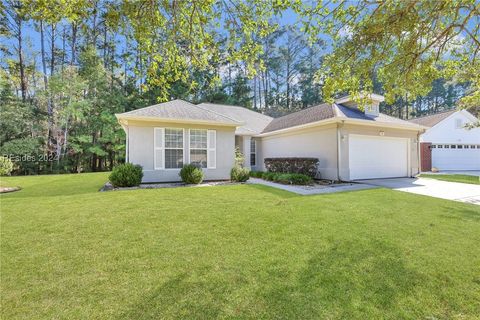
(6,166)
(293,178)
(284,178)
(239,174)
(256,174)
(191,174)
(269,176)
(126,175)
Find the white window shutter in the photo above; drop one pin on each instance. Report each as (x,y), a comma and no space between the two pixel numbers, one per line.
(186,133)
(212,149)
(159,148)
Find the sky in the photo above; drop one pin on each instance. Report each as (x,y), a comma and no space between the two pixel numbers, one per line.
(32,43)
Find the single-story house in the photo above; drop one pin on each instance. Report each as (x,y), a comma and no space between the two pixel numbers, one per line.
(448,144)
(350,143)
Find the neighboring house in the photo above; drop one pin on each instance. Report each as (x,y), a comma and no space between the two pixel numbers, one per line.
(448,144)
(350,144)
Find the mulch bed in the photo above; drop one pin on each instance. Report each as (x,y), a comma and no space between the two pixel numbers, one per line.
(108,186)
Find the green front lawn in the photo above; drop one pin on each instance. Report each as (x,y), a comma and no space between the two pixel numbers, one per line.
(240,251)
(463,178)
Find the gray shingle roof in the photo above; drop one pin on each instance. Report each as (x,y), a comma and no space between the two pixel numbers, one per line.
(180,110)
(350,113)
(312,114)
(431,120)
(255,122)
(249,122)
(327,111)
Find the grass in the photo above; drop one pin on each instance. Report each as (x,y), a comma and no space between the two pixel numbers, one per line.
(240,251)
(463,178)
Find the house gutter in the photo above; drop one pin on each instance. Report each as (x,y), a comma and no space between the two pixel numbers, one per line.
(122,119)
(344,120)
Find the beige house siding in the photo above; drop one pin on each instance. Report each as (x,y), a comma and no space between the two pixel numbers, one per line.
(140,143)
(318,142)
(348,129)
(321,142)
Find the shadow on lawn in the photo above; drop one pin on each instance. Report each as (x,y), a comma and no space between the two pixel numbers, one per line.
(349,280)
(274,191)
(462,214)
(177,298)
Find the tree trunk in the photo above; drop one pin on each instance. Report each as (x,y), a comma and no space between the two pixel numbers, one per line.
(94,156)
(52,49)
(42,52)
(105,45)
(265,89)
(23,82)
(63,49)
(255,93)
(74,42)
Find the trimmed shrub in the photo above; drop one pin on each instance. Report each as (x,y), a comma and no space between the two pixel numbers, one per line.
(285,178)
(256,174)
(239,174)
(6,166)
(191,174)
(126,175)
(306,166)
(293,178)
(269,176)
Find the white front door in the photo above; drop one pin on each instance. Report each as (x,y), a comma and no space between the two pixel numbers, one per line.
(372,157)
(456,156)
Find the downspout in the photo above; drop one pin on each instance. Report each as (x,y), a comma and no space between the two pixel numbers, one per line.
(339,178)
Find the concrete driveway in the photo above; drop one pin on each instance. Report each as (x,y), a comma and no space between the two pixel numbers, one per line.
(462,192)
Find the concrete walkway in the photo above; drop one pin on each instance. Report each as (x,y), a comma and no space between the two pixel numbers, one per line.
(315,189)
(462,192)
(468,173)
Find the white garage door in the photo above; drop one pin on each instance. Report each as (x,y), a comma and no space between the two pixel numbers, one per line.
(373,157)
(456,156)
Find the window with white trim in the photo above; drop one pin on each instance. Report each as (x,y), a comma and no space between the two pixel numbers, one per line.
(253,152)
(198,147)
(173,148)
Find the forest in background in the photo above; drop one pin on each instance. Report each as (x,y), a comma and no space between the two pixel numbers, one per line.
(68,67)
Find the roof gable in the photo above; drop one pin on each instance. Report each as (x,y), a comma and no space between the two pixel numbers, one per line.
(329,111)
(433,119)
(178,110)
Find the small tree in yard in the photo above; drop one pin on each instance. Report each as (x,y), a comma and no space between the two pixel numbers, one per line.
(239,157)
